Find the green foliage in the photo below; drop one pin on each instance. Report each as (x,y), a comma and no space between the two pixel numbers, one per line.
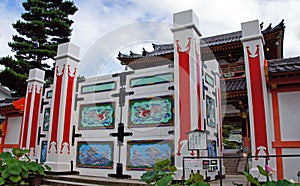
(201,183)
(196,180)
(255,181)
(15,171)
(252,179)
(162,173)
(44,25)
(262,171)
(230,144)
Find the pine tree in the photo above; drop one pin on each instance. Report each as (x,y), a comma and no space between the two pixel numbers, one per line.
(44,25)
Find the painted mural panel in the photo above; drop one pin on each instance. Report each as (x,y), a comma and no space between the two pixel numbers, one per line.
(44,148)
(212,148)
(94,154)
(210,111)
(142,155)
(97,116)
(46,119)
(156,111)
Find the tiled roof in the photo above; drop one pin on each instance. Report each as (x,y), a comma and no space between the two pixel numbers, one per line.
(232,85)
(284,65)
(5,91)
(161,49)
(221,39)
(7,102)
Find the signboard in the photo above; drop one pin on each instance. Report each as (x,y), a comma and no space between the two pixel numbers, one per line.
(194,164)
(197,140)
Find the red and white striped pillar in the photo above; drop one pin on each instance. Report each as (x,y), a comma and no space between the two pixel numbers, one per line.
(188,85)
(59,142)
(31,119)
(252,40)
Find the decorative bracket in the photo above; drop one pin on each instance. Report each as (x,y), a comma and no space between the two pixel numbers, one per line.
(121,134)
(40,135)
(122,76)
(75,135)
(122,95)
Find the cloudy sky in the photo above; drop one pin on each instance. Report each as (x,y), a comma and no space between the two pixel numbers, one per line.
(102,28)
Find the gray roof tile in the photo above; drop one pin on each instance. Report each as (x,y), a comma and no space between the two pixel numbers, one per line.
(284,65)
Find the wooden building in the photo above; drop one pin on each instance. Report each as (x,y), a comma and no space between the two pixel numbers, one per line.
(227,49)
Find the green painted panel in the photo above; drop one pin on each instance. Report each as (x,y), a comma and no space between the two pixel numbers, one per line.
(209,80)
(151,80)
(100,87)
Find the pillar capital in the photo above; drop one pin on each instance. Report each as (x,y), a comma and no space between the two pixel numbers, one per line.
(186,20)
(251,31)
(37,75)
(67,50)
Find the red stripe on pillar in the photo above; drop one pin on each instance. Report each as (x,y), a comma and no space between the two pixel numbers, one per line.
(184,93)
(56,107)
(259,117)
(198,71)
(26,119)
(35,116)
(68,111)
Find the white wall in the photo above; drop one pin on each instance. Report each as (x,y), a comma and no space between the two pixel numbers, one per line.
(12,135)
(289,107)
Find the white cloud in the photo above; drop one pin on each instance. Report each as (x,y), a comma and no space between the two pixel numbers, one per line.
(103,52)
(97,19)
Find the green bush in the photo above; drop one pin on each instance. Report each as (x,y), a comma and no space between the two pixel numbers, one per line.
(163,172)
(17,172)
(268,173)
(161,175)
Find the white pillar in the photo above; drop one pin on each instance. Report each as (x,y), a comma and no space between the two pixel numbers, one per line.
(187,71)
(59,145)
(34,92)
(252,40)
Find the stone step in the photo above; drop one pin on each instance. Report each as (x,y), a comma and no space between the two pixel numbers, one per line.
(234,165)
(83,180)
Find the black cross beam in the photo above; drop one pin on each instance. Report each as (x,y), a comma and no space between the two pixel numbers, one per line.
(119,173)
(121,133)
(40,135)
(75,135)
(122,95)
(42,104)
(122,76)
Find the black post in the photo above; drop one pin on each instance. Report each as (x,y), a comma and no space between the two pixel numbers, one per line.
(221,173)
(183,171)
(266,160)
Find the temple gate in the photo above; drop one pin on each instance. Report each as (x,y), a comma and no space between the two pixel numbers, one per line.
(118,125)
(126,121)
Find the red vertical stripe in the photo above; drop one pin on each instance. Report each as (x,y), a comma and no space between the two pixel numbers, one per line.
(184,94)
(68,111)
(26,119)
(35,116)
(277,134)
(258,106)
(56,107)
(198,71)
